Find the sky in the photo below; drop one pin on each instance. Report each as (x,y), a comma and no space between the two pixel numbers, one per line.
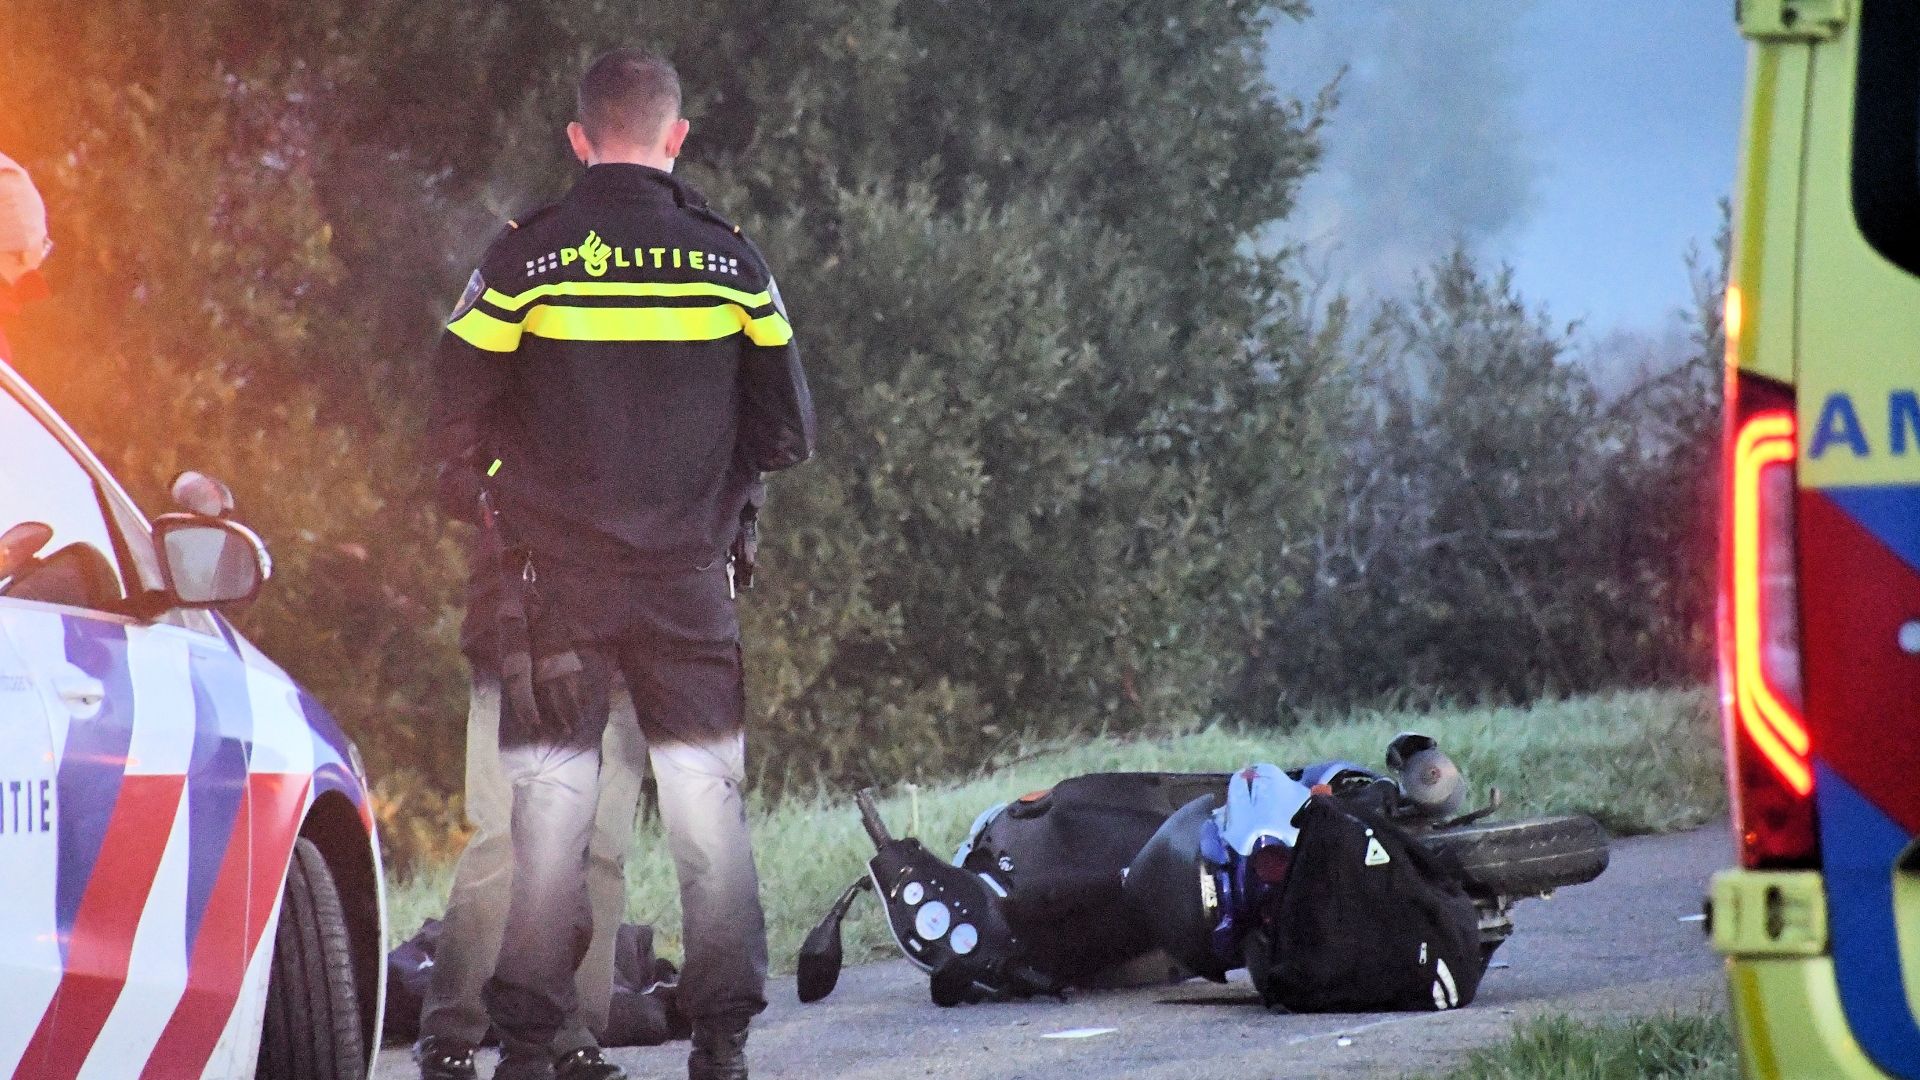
(1587,145)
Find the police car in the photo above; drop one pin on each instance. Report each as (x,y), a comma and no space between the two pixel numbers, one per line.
(189,881)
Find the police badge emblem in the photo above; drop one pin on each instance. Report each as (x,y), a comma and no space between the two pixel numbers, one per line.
(475,286)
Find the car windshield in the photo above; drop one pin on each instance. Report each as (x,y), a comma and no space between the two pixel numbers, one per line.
(40,481)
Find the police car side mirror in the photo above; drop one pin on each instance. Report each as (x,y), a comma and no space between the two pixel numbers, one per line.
(210,561)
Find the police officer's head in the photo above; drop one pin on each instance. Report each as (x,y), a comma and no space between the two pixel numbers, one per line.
(629,111)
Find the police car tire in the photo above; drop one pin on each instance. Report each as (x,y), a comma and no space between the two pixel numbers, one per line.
(312,1024)
(1524,858)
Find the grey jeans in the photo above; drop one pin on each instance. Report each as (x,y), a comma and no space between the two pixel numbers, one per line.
(555,894)
(476,916)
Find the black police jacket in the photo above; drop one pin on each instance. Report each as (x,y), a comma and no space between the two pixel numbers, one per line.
(622,368)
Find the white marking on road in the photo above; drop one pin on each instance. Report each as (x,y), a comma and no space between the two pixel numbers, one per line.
(1340,1033)
(1079,1033)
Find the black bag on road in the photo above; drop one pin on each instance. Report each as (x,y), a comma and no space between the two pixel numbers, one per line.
(643,1011)
(1368,921)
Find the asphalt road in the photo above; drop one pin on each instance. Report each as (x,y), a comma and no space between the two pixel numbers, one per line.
(1613,947)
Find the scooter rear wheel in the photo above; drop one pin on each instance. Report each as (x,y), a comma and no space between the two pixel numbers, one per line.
(1524,858)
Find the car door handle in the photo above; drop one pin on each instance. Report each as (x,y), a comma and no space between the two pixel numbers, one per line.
(81,693)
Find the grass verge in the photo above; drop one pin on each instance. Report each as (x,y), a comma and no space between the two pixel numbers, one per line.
(1641,762)
(1677,1046)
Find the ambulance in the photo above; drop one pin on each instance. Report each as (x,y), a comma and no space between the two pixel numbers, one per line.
(1820,569)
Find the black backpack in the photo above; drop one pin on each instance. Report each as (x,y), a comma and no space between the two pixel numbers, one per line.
(1369,920)
(644,1010)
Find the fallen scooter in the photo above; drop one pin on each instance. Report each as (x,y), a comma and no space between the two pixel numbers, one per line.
(1135,878)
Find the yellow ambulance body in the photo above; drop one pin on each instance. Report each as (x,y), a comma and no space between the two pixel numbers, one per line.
(1820,580)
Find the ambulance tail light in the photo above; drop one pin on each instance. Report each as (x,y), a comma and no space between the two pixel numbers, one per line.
(1769,763)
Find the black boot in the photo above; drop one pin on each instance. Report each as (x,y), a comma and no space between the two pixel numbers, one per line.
(442,1058)
(518,1062)
(719,1051)
(586,1064)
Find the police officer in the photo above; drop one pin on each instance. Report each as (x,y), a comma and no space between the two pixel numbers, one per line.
(617,376)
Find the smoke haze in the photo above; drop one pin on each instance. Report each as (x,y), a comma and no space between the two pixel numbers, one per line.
(1427,147)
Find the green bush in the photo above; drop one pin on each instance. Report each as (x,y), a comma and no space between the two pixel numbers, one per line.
(1500,530)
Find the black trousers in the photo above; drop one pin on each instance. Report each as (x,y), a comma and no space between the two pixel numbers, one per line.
(675,640)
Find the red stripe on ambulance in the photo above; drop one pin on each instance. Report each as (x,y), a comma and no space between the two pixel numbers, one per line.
(1861,690)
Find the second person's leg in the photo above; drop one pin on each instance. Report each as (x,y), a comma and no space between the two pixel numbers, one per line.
(532,995)
(623,763)
(476,911)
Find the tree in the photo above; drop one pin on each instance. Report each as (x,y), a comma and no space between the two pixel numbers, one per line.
(193,267)
(1496,529)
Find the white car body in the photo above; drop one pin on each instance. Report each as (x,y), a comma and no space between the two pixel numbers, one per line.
(155,774)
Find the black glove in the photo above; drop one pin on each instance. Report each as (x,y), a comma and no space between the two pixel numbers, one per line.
(541,673)
(548,693)
(745,552)
(559,692)
(515,649)
(458,484)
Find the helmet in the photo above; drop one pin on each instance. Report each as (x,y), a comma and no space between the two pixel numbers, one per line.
(1428,777)
(23,223)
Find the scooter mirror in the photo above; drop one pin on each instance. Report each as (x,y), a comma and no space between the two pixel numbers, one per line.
(820,960)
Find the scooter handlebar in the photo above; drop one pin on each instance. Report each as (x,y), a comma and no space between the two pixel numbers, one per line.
(870,817)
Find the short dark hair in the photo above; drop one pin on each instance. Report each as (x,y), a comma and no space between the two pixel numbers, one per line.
(628,95)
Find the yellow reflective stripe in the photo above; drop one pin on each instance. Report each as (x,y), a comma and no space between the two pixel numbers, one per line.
(483,331)
(627,288)
(769,330)
(635,324)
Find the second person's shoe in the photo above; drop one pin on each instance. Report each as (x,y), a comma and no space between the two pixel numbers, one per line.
(586,1063)
(441,1058)
(524,1063)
